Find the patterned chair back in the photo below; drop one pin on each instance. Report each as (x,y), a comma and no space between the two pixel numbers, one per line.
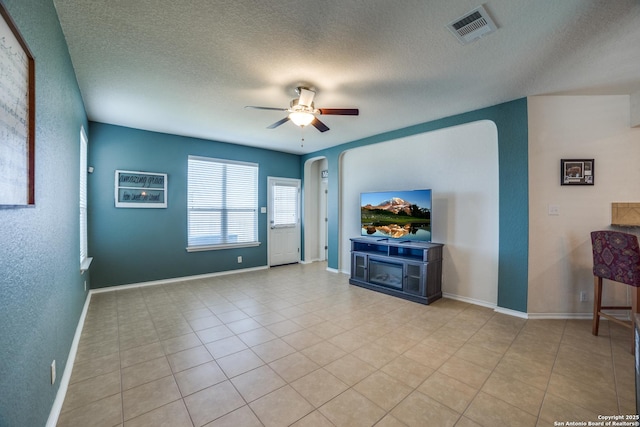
(616,256)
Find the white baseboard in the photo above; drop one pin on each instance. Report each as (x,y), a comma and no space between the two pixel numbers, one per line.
(486,304)
(561,316)
(522,315)
(469,300)
(54,414)
(176,280)
(577,316)
(311,261)
(513,313)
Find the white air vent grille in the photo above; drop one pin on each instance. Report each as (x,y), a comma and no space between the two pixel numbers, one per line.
(472,26)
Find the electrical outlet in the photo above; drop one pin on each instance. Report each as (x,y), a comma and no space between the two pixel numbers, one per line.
(53,372)
(583,296)
(240,260)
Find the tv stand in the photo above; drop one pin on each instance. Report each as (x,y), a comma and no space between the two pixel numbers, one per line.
(404,268)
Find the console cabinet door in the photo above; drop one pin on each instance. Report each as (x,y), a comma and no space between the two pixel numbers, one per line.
(414,279)
(359,266)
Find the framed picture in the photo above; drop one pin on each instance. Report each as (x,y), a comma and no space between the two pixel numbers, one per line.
(576,172)
(140,189)
(17,117)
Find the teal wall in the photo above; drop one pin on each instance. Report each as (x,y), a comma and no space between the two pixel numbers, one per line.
(149,244)
(511,120)
(41,289)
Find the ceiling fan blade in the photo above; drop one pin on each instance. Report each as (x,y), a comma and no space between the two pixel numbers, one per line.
(319,125)
(306,97)
(278,123)
(340,111)
(265,108)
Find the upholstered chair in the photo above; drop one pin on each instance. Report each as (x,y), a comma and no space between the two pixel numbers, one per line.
(616,257)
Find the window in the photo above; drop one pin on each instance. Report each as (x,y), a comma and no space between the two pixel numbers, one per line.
(285,205)
(222,205)
(85,261)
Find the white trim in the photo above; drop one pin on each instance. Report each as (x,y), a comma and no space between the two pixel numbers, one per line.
(54,414)
(510,312)
(577,316)
(335,270)
(532,316)
(85,264)
(553,316)
(481,303)
(175,280)
(469,300)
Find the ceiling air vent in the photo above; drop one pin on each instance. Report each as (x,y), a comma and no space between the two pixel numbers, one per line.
(472,26)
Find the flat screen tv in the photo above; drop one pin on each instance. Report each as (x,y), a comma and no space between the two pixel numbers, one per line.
(404,215)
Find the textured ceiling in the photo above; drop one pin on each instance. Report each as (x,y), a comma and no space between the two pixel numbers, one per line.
(188,67)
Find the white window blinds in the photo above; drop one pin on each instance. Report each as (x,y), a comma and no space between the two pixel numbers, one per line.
(83,198)
(222,203)
(285,205)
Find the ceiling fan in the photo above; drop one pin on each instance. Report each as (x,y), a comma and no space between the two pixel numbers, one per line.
(302,112)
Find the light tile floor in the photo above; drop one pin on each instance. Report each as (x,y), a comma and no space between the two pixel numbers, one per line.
(297,345)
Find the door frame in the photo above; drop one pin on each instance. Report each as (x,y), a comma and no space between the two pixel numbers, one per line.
(298,183)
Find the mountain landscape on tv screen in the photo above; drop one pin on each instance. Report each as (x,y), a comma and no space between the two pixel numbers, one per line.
(396,218)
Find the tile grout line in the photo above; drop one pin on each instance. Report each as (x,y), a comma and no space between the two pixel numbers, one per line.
(356,317)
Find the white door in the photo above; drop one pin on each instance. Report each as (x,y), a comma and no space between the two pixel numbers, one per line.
(284,220)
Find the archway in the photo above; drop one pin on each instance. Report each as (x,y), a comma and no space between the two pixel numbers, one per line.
(315,209)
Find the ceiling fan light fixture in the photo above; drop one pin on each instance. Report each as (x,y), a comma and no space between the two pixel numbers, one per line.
(301,118)
(302,111)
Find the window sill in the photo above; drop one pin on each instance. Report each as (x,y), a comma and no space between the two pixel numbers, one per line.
(218,247)
(84,265)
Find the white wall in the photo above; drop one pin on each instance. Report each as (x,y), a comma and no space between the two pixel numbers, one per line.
(561,127)
(460,165)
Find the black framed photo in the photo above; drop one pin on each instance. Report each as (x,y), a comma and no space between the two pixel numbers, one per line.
(576,172)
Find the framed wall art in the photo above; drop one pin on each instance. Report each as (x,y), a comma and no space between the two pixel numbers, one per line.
(140,189)
(17,117)
(577,172)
